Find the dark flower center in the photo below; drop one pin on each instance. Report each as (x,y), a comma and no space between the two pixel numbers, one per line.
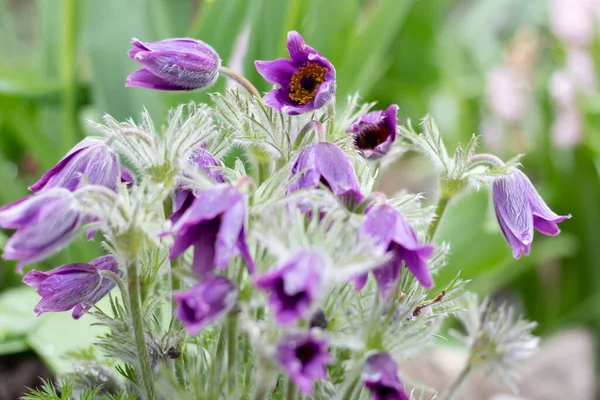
(305,82)
(307,352)
(290,302)
(370,138)
(386,393)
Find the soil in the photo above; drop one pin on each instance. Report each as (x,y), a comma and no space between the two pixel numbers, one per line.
(19,372)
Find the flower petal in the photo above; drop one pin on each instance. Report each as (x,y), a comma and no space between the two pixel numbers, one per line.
(144,79)
(278,71)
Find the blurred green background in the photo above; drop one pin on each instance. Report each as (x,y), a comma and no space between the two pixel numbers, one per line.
(508,70)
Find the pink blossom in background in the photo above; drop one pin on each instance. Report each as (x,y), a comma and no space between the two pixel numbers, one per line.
(580,66)
(572,20)
(567,129)
(506,92)
(562,89)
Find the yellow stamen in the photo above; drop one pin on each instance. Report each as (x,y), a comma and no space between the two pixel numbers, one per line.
(305,82)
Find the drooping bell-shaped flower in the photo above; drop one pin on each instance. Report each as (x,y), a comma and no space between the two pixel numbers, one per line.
(384,226)
(519,209)
(204,303)
(174,64)
(72,286)
(214,225)
(91,161)
(304,359)
(326,164)
(293,286)
(183,197)
(374,132)
(45,222)
(380,376)
(306,80)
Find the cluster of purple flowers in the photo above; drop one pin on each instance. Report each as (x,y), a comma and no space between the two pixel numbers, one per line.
(214,221)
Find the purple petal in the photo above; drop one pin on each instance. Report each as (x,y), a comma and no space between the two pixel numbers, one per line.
(232,223)
(546,227)
(278,71)
(144,79)
(180,69)
(513,208)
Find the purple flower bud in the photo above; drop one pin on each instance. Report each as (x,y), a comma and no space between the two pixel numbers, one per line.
(306,82)
(45,222)
(89,162)
(214,225)
(325,163)
(127,177)
(293,286)
(385,227)
(374,133)
(304,358)
(201,305)
(72,286)
(174,64)
(183,198)
(520,209)
(380,376)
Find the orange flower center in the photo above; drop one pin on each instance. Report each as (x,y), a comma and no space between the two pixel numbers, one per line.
(306,81)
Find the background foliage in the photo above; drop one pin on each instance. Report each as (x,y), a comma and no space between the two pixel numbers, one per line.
(65,61)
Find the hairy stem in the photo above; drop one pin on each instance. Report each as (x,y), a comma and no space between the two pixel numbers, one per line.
(232,344)
(245,83)
(135,306)
(290,391)
(488,159)
(449,393)
(439,211)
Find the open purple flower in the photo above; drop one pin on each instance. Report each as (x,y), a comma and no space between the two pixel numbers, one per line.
(45,222)
(183,197)
(293,286)
(325,163)
(214,225)
(306,80)
(520,209)
(89,162)
(380,376)
(374,132)
(72,286)
(304,359)
(201,305)
(174,64)
(384,226)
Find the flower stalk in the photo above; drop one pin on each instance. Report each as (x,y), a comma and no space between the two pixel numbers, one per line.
(440,208)
(239,79)
(135,307)
(452,391)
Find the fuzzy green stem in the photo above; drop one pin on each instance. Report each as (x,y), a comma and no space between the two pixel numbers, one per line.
(69,72)
(245,83)
(488,159)
(232,344)
(135,305)
(354,377)
(457,383)
(439,212)
(216,368)
(290,390)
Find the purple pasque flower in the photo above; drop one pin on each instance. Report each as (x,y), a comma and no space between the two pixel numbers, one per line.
(127,177)
(380,376)
(204,303)
(325,163)
(72,286)
(45,222)
(384,226)
(304,359)
(293,286)
(519,209)
(174,64)
(214,225)
(374,132)
(91,161)
(306,80)
(183,197)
